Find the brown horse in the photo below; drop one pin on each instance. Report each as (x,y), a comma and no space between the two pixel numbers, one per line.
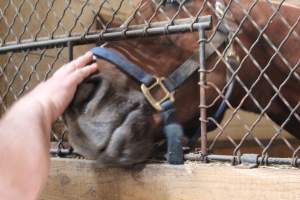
(111,121)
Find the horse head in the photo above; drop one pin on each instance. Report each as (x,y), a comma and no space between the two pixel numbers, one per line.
(110,119)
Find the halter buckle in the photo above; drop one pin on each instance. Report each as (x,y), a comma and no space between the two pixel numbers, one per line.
(154,102)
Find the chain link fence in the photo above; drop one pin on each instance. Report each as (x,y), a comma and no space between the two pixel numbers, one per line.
(37,37)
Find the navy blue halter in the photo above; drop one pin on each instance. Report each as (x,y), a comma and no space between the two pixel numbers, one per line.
(177,78)
(172,129)
(122,63)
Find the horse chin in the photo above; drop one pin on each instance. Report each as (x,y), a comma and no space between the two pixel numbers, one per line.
(130,143)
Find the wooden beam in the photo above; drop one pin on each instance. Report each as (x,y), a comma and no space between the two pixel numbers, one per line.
(79,179)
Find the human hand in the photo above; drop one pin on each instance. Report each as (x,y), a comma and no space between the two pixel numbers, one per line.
(56,93)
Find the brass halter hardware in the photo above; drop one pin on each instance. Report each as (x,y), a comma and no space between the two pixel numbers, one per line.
(167,94)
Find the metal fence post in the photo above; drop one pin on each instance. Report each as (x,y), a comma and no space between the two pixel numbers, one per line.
(202,84)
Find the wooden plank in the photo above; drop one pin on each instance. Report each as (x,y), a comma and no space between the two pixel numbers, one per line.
(79,179)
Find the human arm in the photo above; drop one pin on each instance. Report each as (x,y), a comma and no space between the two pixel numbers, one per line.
(25,130)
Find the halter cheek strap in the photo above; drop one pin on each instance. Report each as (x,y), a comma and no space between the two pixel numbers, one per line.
(148,82)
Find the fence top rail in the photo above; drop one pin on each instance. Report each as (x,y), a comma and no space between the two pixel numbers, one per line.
(120,33)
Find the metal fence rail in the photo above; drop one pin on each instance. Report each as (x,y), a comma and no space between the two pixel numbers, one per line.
(37,37)
(136,31)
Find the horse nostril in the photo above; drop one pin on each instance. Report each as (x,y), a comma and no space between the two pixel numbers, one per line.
(87,92)
(83,94)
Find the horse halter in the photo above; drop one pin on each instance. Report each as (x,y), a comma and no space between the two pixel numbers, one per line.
(172,130)
(167,85)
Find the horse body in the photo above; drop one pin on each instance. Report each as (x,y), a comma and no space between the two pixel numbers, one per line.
(280,69)
(110,120)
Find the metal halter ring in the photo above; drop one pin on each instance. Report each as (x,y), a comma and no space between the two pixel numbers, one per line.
(154,102)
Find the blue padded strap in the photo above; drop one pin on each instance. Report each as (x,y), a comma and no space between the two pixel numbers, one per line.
(123,64)
(174,133)
(182,73)
(171,82)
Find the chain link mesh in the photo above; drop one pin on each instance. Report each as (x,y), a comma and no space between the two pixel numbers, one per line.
(29,21)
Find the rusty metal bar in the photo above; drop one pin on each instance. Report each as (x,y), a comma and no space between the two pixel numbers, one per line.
(155,29)
(247,158)
(202,84)
(70,51)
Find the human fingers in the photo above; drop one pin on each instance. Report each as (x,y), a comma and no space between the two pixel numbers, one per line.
(81,61)
(75,64)
(81,73)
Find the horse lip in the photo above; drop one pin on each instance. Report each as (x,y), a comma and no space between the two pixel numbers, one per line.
(124,118)
(131,110)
